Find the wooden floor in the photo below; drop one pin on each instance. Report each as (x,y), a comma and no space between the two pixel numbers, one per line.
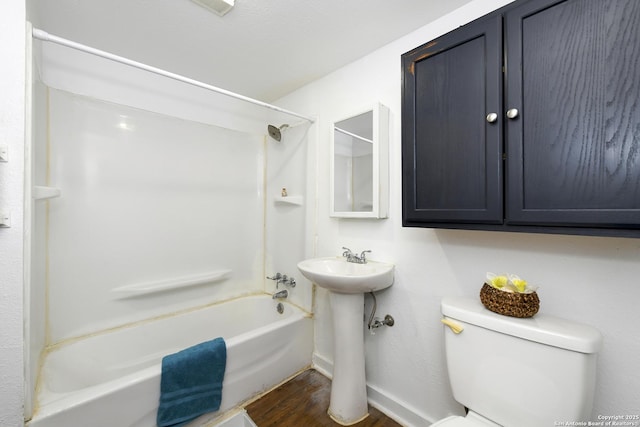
(303,402)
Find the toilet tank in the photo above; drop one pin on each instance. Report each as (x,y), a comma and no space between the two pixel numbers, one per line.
(532,372)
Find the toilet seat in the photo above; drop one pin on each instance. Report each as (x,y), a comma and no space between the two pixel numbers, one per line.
(471,420)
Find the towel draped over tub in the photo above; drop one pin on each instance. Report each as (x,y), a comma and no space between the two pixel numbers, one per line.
(191,383)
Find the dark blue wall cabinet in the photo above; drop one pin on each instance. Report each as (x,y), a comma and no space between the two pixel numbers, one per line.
(527,119)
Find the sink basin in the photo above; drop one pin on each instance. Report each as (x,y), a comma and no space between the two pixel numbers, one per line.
(338,275)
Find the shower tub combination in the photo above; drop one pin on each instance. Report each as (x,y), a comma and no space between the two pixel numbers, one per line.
(96,117)
(113,378)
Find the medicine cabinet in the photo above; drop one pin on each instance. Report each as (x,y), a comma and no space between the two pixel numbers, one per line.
(360,165)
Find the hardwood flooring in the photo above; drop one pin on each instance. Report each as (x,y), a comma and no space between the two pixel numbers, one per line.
(303,402)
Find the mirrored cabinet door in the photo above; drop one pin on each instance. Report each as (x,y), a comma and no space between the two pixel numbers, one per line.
(359,164)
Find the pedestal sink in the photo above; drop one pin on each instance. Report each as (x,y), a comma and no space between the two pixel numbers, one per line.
(347,283)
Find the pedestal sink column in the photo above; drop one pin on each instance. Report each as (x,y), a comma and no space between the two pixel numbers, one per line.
(347,283)
(348,403)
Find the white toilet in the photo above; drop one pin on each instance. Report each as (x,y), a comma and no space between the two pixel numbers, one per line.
(534,372)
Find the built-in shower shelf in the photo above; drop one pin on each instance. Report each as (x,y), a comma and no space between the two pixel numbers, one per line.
(42,193)
(288,200)
(138,289)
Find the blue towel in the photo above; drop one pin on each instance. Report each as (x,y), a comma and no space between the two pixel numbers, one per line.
(191,383)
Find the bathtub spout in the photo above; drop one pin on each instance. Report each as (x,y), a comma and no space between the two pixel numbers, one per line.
(280,294)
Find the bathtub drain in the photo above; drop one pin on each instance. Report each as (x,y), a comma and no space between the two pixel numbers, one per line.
(280,308)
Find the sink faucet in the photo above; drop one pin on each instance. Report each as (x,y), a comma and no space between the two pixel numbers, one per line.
(280,294)
(351,257)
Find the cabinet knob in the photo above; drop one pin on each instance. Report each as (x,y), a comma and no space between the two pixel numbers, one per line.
(512,113)
(492,117)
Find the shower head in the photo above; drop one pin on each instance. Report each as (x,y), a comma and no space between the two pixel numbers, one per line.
(276,133)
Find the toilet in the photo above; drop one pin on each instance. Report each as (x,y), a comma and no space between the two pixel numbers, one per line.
(512,372)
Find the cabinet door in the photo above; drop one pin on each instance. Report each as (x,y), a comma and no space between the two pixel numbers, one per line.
(451,154)
(573,73)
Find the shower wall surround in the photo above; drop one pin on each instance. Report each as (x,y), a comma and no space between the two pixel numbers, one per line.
(160,182)
(146,198)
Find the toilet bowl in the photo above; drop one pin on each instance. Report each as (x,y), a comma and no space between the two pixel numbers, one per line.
(516,372)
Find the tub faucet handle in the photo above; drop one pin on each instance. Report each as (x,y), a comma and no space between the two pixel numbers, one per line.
(277,277)
(289,281)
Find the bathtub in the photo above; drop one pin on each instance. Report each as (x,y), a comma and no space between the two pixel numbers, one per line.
(112,379)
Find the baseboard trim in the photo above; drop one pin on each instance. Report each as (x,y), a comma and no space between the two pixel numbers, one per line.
(322,365)
(392,407)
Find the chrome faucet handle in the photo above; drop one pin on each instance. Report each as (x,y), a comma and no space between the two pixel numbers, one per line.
(278,278)
(291,282)
(363,256)
(347,252)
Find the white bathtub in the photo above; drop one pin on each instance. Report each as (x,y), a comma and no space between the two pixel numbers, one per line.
(113,379)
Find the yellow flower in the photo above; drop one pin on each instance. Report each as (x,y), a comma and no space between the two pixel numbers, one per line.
(520,284)
(497,281)
(509,283)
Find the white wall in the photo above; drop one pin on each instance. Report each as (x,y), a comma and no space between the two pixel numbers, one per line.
(587,279)
(12,88)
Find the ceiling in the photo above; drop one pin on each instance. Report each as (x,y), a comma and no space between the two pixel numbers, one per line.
(263,49)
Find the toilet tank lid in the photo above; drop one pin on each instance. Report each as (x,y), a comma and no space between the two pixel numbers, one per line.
(540,328)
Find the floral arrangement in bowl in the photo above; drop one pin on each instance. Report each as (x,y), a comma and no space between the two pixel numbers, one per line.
(510,283)
(509,295)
